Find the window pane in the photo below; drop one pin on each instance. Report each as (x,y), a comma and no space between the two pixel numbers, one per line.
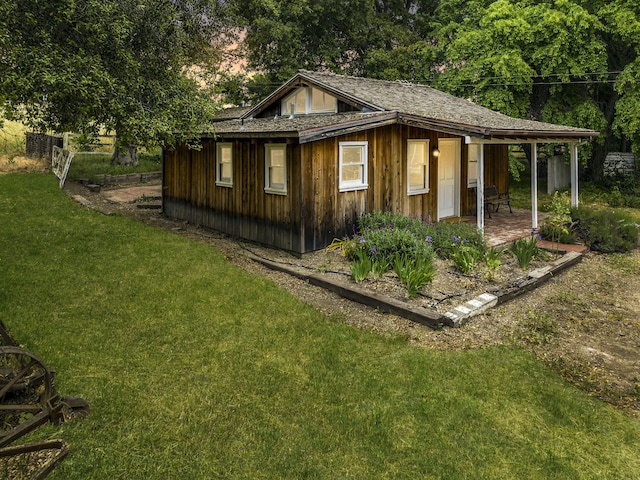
(299,98)
(225,155)
(353,165)
(416,176)
(416,154)
(417,166)
(351,155)
(276,177)
(277,157)
(351,173)
(225,171)
(276,168)
(224,162)
(322,102)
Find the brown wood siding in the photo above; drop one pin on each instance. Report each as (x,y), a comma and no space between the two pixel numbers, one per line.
(314,211)
(244,210)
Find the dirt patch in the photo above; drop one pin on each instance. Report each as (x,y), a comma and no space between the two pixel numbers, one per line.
(583,323)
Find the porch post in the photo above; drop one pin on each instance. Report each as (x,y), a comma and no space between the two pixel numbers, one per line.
(534,185)
(480,191)
(573,149)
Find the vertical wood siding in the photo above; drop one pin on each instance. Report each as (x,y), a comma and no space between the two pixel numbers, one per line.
(244,210)
(314,211)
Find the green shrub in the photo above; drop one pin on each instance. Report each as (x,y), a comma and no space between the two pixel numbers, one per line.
(380,266)
(465,256)
(493,260)
(361,266)
(558,226)
(445,235)
(386,239)
(606,230)
(415,273)
(525,250)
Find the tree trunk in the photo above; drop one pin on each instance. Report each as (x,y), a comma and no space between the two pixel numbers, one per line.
(125,156)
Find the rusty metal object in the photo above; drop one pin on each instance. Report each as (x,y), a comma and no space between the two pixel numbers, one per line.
(6,337)
(28,398)
(36,470)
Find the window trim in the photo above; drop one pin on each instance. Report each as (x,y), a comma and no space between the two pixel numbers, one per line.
(268,187)
(425,187)
(352,185)
(219,180)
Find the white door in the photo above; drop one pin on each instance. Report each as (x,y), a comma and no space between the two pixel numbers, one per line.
(448,177)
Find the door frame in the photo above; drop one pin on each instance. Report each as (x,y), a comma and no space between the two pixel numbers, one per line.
(457,144)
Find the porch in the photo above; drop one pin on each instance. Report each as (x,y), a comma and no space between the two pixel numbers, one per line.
(504,227)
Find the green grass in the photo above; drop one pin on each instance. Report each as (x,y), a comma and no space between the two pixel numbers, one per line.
(90,165)
(196,369)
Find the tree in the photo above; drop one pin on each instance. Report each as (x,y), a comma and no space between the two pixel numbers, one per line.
(145,70)
(549,61)
(366,38)
(622,23)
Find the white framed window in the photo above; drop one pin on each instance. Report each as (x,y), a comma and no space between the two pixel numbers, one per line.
(472,165)
(308,100)
(353,159)
(224,164)
(417,167)
(275,168)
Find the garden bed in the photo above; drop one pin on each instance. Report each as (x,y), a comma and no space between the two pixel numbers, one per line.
(449,300)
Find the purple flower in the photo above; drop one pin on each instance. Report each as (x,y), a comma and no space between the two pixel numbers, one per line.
(362,240)
(455,239)
(428,239)
(374,250)
(533,232)
(539,237)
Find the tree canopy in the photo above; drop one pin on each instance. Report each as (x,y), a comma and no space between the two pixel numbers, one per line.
(149,69)
(563,61)
(145,70)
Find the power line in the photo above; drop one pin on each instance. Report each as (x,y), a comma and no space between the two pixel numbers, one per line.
(511,83)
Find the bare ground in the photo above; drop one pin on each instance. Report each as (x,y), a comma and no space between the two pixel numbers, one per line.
(583,323)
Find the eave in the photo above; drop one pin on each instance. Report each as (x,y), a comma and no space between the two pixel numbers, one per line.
(319,133)
(505,136)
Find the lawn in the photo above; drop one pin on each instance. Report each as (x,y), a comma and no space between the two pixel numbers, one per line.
(196,369)
(85,165)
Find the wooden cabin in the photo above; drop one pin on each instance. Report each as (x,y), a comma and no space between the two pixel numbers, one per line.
(299,168)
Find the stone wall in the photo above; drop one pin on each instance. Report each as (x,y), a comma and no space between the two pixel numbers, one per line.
(620,163)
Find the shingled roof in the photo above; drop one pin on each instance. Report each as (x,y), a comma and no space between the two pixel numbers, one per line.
(382,102)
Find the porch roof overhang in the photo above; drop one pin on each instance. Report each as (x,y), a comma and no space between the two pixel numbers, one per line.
(549,133)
